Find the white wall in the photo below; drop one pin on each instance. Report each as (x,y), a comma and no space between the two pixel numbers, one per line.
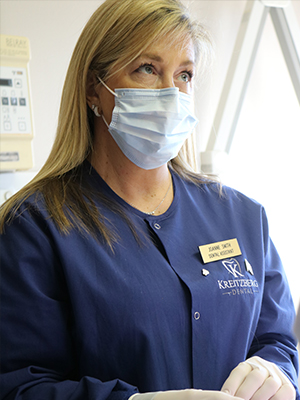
(264,160)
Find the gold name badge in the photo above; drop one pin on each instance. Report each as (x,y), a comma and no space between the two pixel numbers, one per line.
(220,250)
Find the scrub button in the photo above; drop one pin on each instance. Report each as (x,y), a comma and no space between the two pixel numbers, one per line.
(197,315)
(157,226)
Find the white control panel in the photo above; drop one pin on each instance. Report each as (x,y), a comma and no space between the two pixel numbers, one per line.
(16,127)
(15,111)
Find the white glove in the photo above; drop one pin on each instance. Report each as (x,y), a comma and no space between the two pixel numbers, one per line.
(187,394)
(258,379)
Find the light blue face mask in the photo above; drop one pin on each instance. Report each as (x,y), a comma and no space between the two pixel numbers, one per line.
(151,125)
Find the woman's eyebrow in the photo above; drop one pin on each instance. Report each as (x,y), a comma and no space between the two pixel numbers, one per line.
(157,58)
(152,56)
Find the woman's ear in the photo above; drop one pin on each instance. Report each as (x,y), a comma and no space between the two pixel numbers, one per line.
(92,94)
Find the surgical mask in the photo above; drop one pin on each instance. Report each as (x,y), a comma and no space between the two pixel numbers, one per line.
(151,125)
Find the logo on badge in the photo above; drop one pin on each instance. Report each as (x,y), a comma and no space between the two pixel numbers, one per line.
(233,267)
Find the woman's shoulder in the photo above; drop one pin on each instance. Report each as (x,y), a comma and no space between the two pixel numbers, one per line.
(216,193)
(21,207)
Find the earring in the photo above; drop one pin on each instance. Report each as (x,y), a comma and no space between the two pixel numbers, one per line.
(95,109)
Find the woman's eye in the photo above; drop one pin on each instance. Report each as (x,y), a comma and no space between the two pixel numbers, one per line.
(146,69)
(185,77)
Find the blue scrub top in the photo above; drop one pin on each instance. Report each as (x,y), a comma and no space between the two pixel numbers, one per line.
(82,322)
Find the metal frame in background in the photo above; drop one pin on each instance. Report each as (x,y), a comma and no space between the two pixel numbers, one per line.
(240,68)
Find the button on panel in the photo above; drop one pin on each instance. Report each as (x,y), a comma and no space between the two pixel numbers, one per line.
(157,226)
(18,83)
(7,126)
(22,126)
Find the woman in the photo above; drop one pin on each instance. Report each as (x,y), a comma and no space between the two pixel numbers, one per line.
(124,273)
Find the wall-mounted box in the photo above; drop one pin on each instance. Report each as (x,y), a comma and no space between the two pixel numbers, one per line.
(16,124)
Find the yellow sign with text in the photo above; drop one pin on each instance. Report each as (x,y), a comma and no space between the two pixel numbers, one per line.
(220,250)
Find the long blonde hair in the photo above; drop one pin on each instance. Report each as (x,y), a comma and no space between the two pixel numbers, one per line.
(117,33)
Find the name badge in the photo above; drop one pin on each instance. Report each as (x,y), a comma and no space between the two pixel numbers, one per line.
(220,250)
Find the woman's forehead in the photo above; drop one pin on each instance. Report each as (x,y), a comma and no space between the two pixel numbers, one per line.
(159,49)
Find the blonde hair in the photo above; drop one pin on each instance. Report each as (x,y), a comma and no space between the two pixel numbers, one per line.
(115,35)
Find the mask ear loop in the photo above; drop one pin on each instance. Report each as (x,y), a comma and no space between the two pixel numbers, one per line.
(96,112)
(112,92)
(104,84)
(104,120)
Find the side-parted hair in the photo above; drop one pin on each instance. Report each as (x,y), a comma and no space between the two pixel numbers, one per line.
(116,34)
